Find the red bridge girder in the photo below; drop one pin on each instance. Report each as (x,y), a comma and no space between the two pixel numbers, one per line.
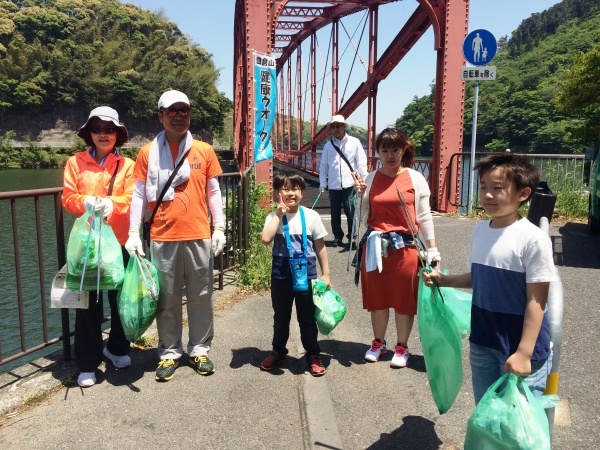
(279,28)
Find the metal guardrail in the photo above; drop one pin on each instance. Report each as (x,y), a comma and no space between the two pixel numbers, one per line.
(234,187)
(556,169)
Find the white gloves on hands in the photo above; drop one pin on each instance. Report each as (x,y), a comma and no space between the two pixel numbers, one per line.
(134,244)
(218,241)
(322,190)
(104,206)
(433,257)
(89,202)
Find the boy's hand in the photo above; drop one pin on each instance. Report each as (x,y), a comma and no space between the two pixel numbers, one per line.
(519,364)
(431,277)
(326,279)
(281,207)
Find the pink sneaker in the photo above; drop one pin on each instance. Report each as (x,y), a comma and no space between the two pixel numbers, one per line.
(401,356)
(377,349)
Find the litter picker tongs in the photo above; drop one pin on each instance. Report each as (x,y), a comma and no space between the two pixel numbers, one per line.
(415,237)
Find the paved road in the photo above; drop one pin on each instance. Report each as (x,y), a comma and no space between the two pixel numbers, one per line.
(355,406)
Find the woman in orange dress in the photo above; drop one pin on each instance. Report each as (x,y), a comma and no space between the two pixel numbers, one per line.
(394,207)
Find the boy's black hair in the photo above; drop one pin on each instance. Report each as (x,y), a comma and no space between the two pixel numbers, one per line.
(516,167)
(291,179)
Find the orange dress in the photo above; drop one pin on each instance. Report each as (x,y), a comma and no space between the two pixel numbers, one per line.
(396,285)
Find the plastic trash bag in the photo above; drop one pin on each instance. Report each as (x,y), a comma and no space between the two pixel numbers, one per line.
(510,419)
(63,297)
(94,255)
(442,346)
(138,298)
(330,309)
(459,302)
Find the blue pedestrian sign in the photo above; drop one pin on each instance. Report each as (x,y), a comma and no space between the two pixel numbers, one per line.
(480,47)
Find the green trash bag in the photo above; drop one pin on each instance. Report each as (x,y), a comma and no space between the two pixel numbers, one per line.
(330,309)
(442,346)
(138,298)
(94,255)
(459,302)
(510,419)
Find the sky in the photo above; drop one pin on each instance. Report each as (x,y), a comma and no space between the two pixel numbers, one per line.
(209,23)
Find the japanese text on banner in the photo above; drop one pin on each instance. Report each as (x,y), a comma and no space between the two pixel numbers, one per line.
(265,88)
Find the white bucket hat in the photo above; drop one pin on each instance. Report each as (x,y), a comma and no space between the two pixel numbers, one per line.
(107,114)
(338,118)
(171,97)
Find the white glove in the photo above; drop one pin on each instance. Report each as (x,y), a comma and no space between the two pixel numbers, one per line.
(433,257)
(104,206)
(89,202)
(134,244)
(322,190)
(218,241)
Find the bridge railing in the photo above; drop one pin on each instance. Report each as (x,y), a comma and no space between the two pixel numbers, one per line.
(557,169)
(306,162)
(38,251)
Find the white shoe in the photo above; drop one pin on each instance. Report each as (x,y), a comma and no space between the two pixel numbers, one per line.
(377,349)
(120,362)
(86,379)
(401,356)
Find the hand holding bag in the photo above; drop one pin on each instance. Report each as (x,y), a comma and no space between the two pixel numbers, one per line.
(330,308)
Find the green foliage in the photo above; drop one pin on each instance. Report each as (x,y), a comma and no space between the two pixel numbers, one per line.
(417,123)
(91,52)
(545,97)
(33,156)
(580,93)
(255,274)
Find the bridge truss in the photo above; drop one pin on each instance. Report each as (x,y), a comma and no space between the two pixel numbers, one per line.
(329,61)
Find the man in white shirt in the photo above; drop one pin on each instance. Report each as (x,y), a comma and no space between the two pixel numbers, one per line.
(335,173)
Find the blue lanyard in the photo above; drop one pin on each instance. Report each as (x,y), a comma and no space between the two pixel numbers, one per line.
(286,232)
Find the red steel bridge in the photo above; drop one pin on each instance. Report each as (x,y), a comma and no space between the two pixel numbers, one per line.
(329,61)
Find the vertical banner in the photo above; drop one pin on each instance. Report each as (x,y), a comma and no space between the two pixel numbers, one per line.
(265,91)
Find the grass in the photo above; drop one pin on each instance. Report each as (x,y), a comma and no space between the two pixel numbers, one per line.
(255,274)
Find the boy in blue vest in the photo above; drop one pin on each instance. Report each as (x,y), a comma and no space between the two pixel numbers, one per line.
(511,267)
(289,188)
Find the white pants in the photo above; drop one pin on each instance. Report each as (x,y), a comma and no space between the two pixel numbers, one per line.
(182,264)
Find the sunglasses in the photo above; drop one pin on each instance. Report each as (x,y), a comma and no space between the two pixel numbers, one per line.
(173,112)
(103,130)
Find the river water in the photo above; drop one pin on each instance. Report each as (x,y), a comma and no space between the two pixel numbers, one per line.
(16,180)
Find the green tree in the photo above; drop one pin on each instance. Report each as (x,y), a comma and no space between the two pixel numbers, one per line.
(580,94)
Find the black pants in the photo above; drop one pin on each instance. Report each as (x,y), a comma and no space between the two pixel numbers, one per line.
(338,199)
(282,299)
(88,330)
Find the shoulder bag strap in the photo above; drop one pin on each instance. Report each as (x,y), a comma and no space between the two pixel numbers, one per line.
(167,185)
(286,232)
(337,149)
(112,180)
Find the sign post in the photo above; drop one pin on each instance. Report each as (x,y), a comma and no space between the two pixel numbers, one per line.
(479,48)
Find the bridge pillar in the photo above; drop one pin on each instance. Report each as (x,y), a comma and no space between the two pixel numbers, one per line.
(449,104)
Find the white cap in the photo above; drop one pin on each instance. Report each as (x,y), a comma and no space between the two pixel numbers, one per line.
(171,97)
(338,118)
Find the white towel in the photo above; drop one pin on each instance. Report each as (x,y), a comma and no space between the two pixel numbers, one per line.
(373,256)
(161,165)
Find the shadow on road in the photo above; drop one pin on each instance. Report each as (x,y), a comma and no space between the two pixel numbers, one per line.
(415,432)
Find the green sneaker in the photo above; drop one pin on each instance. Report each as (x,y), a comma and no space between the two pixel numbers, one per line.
(166,369)
(202,364)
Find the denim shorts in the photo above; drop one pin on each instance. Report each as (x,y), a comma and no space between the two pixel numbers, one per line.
(487,365)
